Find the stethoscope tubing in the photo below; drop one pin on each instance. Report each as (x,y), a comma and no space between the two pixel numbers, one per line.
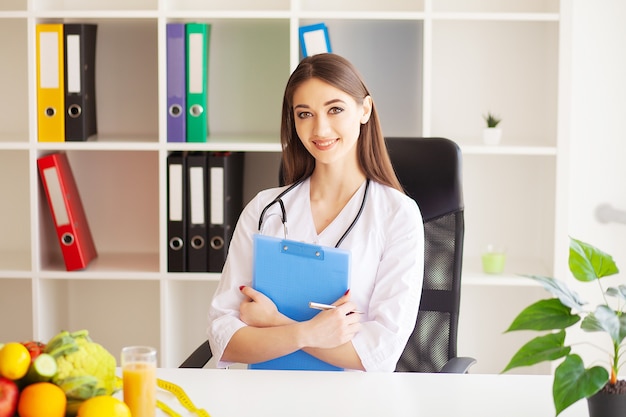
(279,200)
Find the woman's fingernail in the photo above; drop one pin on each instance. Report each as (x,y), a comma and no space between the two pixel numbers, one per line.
(346,293)
(242,287)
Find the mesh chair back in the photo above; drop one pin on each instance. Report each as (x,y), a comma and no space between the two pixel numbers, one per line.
(430,171)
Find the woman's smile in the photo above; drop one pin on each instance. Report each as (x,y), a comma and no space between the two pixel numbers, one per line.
(325,144)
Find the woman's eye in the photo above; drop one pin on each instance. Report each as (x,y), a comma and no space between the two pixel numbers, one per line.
(335,110)
(304,114)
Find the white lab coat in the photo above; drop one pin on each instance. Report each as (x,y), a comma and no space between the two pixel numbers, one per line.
(387,245)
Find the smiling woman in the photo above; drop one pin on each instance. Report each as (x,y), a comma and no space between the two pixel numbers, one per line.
(341,191)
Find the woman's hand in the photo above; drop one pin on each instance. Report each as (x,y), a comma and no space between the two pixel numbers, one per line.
(332,328)
(258,310)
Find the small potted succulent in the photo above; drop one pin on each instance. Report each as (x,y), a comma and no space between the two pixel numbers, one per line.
(492,133)
(606,395)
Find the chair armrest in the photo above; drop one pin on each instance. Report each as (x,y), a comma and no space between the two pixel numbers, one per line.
(458,365)
(199,357)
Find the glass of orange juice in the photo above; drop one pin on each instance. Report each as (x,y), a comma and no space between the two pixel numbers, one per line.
(139,375)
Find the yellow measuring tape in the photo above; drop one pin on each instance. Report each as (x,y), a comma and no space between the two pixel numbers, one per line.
(180,395)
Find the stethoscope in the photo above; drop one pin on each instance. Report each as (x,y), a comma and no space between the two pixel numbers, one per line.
(279,200)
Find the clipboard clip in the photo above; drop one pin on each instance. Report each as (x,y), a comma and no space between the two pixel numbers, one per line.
(302,249)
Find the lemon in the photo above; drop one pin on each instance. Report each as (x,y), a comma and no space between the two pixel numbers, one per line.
(103,406)
(14,360)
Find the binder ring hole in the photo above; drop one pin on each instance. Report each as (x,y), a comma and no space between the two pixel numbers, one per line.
(50,111)
(67,239)
(217,243)
(74,111)
(196,110)
(176,243)
(175,110)
(197,242)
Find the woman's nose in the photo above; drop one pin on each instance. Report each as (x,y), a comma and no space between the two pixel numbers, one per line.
(321,126)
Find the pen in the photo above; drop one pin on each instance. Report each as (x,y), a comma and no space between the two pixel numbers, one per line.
(320,306)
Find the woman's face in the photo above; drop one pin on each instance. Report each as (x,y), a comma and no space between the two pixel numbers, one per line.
(328,120)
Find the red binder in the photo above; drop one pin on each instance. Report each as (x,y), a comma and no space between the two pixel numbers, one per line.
(75,239)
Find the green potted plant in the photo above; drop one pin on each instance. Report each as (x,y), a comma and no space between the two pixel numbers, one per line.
(572,381)
(492,133)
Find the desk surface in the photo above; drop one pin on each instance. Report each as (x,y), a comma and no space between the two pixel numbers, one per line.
(249,393)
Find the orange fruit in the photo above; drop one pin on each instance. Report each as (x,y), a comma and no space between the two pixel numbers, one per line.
(103,406)
(42,399)
(14,360)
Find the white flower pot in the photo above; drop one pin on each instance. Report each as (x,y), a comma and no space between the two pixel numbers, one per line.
(492,135)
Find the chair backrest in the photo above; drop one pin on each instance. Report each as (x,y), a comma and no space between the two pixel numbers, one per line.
(430,171)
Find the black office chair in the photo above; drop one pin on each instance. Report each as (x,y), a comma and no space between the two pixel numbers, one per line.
(430,171)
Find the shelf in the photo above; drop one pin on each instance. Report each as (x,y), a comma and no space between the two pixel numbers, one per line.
(187,304)
(245,143)
(508,150)
(14,79)
(143,6)
(520,85)
(513,275)
(241,6)
(100,306)
(114,265)
(500,17)
(15,221)
(497,7)
(119,191)
(16,314)
(356,6)
(13,5)
(430,67)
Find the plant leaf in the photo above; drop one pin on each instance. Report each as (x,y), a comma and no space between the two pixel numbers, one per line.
(540,349)
(606,320)
(560,290)
(547,314)
(619,292)
(572,382)
(588,263)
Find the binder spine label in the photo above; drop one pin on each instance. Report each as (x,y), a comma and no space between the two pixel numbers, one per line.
(49,60)
(59,211)
(217,195)
(176,193)
(73,64)
(196,182)
(196,63)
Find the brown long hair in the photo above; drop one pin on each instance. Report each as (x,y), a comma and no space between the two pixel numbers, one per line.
(337,71)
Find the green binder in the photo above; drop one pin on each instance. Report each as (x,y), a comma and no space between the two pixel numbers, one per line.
(198,36)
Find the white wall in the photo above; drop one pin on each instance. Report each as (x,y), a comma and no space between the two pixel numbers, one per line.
(597,167)
(597,142)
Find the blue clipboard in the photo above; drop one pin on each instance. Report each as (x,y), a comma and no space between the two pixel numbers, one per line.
(291,274)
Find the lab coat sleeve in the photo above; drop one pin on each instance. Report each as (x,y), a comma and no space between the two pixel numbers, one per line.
(224,310)
(395,298)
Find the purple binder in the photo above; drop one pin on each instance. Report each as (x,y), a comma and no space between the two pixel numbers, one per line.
(176,74)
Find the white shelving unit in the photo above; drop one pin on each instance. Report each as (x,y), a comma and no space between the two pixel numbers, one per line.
(434,67)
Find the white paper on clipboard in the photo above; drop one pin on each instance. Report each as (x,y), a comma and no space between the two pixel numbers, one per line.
(293,273)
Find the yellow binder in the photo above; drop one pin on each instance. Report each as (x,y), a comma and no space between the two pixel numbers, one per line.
(50,84)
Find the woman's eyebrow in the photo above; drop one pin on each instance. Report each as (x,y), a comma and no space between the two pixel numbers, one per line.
(328,103)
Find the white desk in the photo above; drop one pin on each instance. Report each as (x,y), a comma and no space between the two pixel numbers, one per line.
(244,393)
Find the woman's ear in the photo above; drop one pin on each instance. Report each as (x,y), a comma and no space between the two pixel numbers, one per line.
(367,109)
